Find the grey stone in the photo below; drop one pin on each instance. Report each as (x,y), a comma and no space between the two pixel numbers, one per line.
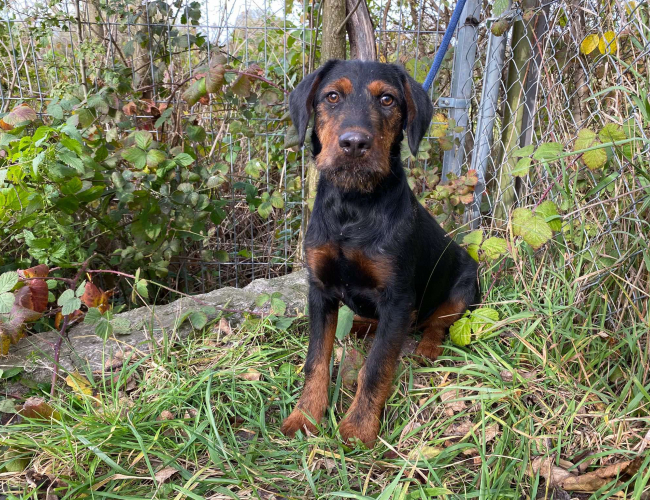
(148,327)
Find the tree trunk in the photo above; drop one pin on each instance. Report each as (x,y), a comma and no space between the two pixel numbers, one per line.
(522,41)
(361,31)
(332,47)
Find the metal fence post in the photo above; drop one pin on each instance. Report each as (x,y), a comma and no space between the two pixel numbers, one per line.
(461,85)
(495,60)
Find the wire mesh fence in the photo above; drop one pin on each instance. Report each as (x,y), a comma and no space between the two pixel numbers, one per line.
(516,75)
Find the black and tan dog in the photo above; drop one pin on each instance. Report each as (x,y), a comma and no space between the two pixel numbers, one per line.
(369,243)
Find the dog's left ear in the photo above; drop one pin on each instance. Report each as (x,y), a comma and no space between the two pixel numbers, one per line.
(419,111)
(301,100)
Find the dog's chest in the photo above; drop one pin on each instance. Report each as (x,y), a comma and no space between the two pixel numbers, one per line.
(335,266)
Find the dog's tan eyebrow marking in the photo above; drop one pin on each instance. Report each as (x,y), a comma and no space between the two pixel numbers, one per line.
(342,85)
(379,87)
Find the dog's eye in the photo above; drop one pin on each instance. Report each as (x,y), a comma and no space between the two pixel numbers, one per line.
(333,97)
(387,100)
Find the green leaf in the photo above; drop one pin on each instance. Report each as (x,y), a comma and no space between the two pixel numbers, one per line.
(499,7)
(276,199)
(195,133)
(473,238)
(155,157)
(525,151)
(69,302)
(143,139)
(494,247)
(194,92)
(254,168)
(8,281)
(521,168)
(278,306)
(198,319)
(141,288)
(136,156)
(531,227)
(548,210)
(262,299)
(81,289)
(265,209)
(595,159)
(72,186)
(103,329)
(461,332)
(121,326)
(99,103)
(6,302)
(344,323)
(483,318)
(55,110)
(520,217)
(612,132)
(72,160)
(93,316)
(183,160)
(472,250)
(586,139)
(548,151)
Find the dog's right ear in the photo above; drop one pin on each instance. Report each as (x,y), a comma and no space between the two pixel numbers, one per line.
(301,100)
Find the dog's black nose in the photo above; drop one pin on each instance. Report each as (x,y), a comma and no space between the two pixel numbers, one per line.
(355,143)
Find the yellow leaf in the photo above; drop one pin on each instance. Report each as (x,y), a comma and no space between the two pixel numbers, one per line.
(630,7)
(5,342)
(79,384)
(607,44)
(589,44)
(439,125)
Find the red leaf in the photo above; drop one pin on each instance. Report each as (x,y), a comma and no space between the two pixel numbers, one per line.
(130,109)
(18,115)
(37,408)
(40,271)
(95,297)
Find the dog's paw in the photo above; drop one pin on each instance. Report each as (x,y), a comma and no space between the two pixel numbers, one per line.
(295,422)
(364,429)
(430,350)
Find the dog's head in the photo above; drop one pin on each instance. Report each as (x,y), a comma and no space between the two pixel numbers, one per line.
(361,110)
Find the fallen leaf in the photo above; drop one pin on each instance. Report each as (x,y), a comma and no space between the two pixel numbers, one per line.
(37,409)
(546,468)
(451,403)
(592,481)
(408,428)
(508,376)
(458,430)
(117,361)
(224,327)
(165,415)
(164,474)
(79,384)
(245,435)
(425,453)
(350,367)
(251,375)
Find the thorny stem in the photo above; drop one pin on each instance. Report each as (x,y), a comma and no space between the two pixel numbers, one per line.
(64,326)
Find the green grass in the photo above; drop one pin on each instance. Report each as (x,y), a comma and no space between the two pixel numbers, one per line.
(554,379)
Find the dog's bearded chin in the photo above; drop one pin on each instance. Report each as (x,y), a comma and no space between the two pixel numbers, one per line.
(358,175)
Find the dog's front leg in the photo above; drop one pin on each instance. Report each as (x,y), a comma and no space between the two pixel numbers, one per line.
(323,315)
(376,377)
